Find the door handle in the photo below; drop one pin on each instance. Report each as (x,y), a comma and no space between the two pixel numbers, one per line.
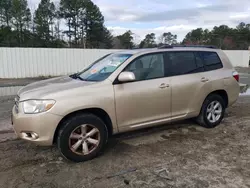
(163,85)
(203,79)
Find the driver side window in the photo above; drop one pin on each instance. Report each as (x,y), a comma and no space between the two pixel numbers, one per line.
(147,67)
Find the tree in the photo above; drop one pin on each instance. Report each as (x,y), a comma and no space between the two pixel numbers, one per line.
(148,42)
(57,23)
(168,38)
(5,12)
(94,29)
(107,39)
(85,28)
(71,10)
(21,18)
(57,31)
(117,43)
(242,36)
(126,40)
(93,33)
(85,24)
(44,20)
(221,34)
(5,36)
(197,36)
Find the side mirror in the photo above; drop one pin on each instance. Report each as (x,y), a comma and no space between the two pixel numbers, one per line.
(126,77)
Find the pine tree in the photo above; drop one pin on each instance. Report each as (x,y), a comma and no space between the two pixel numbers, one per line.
(5,12)
(21,18)
(85,24)
(94,28)
(70,10)
(44,20)
(126,40)
(107,39)
(96,34)
(148,42)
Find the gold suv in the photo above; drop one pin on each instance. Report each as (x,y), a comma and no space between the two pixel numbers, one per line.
(124,91)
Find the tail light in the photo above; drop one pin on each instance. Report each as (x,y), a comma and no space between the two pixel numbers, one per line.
(236,76)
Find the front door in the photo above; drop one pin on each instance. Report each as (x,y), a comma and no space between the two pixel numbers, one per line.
(146,100)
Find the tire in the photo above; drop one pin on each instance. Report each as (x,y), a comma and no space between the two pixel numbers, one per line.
(203,118)
(74,138)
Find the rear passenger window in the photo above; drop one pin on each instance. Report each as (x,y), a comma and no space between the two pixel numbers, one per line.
(211,60)
(183,63)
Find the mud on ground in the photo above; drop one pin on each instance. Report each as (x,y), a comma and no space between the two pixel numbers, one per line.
(178,155)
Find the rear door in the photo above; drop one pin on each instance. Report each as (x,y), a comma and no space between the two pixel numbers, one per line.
(214,74)
(186,82)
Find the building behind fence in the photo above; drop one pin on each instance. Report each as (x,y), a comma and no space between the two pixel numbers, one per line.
(35,62)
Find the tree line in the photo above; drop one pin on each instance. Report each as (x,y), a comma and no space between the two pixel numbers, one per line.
(73,23)
(80,24)
(223,37)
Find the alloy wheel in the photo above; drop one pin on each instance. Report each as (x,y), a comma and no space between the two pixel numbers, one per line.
(214,111)
(84,139)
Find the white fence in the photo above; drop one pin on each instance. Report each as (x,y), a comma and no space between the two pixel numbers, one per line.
(34,62)
(239,58)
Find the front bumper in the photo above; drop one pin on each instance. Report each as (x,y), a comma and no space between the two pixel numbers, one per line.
(37,128)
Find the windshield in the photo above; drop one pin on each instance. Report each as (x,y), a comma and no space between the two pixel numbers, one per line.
(103,68)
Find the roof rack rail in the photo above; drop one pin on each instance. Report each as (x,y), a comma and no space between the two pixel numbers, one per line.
(165,46)
(135,48)
(191,46)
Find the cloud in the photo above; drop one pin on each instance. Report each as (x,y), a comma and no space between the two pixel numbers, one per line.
(186,14)
(178,16)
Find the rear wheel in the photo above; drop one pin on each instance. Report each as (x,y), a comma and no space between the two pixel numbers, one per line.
(212,111)
(82,137)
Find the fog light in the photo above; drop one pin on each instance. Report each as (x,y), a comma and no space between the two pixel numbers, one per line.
(30,135)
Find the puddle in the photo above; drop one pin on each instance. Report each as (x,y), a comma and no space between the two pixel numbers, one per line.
(7,91)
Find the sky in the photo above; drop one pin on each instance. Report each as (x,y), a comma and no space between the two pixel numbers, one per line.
(175,16)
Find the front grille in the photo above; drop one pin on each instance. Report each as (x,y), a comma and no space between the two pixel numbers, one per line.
(17,98)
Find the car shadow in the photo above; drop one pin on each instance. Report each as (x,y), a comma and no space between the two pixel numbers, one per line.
(118,138)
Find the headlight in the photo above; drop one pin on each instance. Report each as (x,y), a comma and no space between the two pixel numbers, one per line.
(37,106)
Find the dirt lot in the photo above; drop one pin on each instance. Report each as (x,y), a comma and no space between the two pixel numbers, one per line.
(177,155)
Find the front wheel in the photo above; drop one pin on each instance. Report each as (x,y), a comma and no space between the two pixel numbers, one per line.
(82,137)
(212,111)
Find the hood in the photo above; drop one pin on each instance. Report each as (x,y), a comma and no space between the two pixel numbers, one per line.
(40,89)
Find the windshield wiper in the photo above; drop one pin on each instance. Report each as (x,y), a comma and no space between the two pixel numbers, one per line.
(77,76)
(73,75)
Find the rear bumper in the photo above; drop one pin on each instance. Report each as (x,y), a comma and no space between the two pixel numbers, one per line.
(243,88)
(233,94)
(36,128)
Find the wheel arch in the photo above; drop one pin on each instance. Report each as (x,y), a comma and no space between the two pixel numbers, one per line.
(102,114)
(221,93)
(200,118)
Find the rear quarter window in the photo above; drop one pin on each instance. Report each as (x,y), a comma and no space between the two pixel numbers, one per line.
(211,60)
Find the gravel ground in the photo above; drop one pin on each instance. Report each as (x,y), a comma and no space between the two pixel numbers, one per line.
(7,103)
(177,155)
